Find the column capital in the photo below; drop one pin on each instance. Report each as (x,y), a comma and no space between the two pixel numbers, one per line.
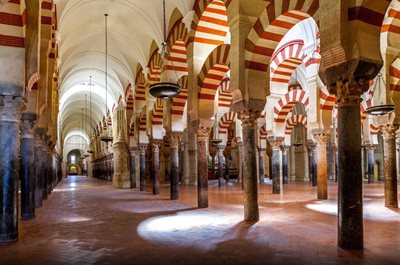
(370,147)
(320,137)
(311,145)
(28,123)
(389,131)
(285,148)
(276,142)
(156,145)
(249,118)
(203,133)
(348,92)
(142,148)
(10,108)
(174,140)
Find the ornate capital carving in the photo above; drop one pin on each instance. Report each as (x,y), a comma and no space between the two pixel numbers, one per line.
(276,143)
(370,148)
(174,141)
(156,146)
(143,148)
(349,92)
(10,108)
(203,133)
(389,131)
(321,138)
(28,123)
(311,146)
(249,119)
(220,149)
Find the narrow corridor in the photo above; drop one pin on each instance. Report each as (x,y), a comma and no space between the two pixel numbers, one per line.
(86,221)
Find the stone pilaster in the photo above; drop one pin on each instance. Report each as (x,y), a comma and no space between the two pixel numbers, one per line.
(276,164)
(174,179)
(142,148)
(285,163)
(28,122)
(261,163)
(321,139)
(156,166)
(202,166)
(120,174)
(250,185)
(10,118)
(220,155)
(389,137)
(371,162)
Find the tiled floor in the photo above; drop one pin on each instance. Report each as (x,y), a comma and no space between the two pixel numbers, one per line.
(86,221)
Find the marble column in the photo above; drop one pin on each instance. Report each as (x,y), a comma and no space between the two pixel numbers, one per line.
(212,153)
(44,170)
(350,202)
(156,167)
(132,166)
(38,167)
(250,185)
(174,179)
(226,173)
(239,148)
(276,166)
(142,167)
(321,139)
(28,166)
(371,162)
(285,163)
(10,118)
(312,162)
(185,164)
(220,155)
(202,166)
(261,163)
(333,162)
(389,137)
(192,152)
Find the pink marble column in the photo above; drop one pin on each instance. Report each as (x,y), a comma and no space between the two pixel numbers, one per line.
(321,139)
(156,167)
(203,134)
(174,179)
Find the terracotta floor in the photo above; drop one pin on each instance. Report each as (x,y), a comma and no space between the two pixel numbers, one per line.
(86,221)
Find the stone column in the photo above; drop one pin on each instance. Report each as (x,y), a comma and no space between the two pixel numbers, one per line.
(44,171)
(213,153)
(321,139)
(38,167)
(156,166)
(132,165)
(49,171)
(285,163)
(350,203)
(250,185)
(142,167)
(202,166)
(371,162)
(185,165)
(10,118)
(276,165)
(312,162)
(261,159)
(28,166)
(389,137)
(226,173)
(239,148)
(174,179)
(220,154)
(192,152)
(333,162)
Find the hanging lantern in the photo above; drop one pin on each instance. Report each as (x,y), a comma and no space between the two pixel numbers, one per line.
(106,136)
(381,108)
(89,150)
(162,89)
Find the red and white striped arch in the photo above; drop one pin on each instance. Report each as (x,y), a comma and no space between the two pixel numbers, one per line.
(394,78)
(140,85)
(129,98)
(224,96)
(13,24)
(210,22)
(327,101)
(225,122)
(365,104)
(157,113)
(285,61)
(212,74)
(263,132)
(143,121)
(292,121)
(177,43)
(154,75)
(275,21)
(285,105)
(179,102)
(390,30)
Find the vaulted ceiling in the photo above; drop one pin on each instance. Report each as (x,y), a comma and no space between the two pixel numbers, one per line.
(133,25)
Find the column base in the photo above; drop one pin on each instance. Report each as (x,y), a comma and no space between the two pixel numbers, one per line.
(6,239)
(27,216)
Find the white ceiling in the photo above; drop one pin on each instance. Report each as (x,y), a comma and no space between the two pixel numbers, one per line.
(132,26)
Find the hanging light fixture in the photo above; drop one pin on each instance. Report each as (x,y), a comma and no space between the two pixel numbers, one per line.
(89,150)
(85,154)
(381,108)
(81,151)
(106,136)
(164,89)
